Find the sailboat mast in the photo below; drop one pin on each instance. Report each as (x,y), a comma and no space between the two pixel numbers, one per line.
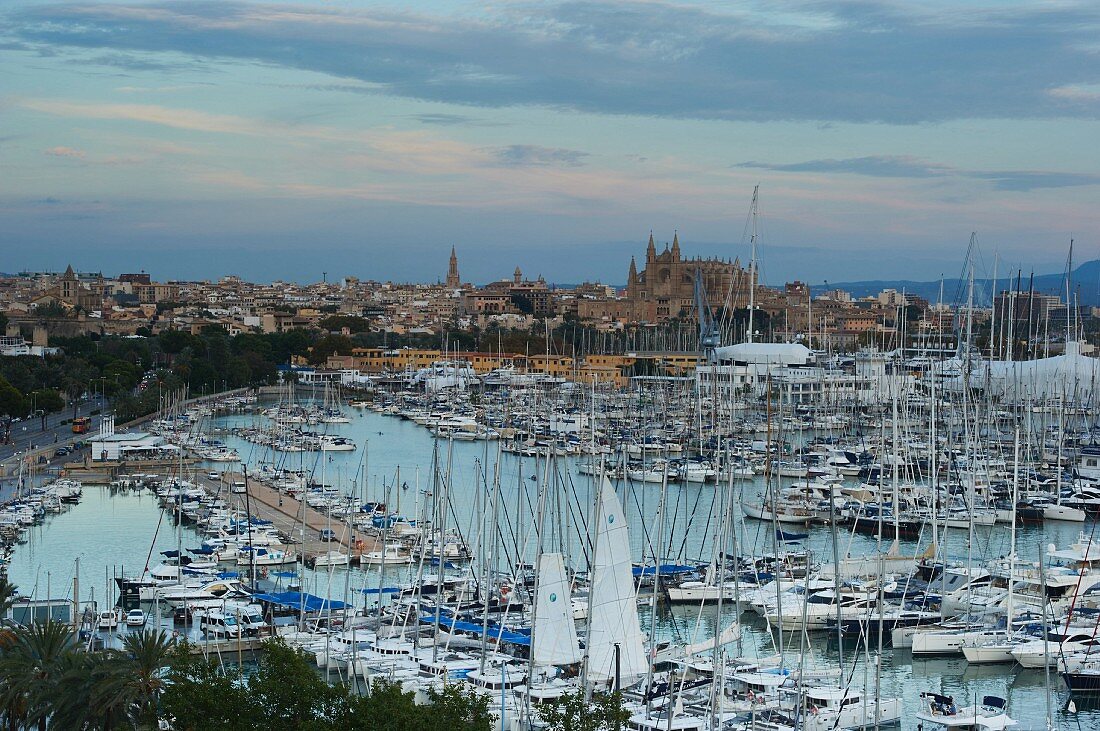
(752,264)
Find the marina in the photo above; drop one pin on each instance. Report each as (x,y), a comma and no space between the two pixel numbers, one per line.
(455,511)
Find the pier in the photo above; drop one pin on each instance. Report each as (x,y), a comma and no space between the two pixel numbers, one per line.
(292,517)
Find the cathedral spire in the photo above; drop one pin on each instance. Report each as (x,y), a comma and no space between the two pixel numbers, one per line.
(651,250)
(675,246)
(453,280)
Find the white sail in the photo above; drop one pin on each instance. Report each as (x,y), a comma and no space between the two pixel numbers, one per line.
(613,619)
(727,636)
(554,635)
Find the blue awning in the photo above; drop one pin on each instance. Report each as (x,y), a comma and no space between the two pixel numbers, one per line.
(666,569)
(492,632)
(298,600)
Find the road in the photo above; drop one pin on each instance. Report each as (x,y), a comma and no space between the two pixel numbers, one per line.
(29,432)
(9,485)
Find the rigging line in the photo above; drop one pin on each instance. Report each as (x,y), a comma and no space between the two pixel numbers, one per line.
(577,518)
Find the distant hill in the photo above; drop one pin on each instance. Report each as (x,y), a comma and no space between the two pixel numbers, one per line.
(1085,285)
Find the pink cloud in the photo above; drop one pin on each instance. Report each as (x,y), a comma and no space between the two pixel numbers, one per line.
(69,152)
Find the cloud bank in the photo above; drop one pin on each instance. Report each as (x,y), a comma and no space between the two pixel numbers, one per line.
(852,60)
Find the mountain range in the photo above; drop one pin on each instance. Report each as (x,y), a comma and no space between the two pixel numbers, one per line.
(1084,285)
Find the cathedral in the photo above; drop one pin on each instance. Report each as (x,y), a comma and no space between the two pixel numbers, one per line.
(665,289)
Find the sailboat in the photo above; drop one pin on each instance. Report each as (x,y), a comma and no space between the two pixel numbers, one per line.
(615,653)
(553,634)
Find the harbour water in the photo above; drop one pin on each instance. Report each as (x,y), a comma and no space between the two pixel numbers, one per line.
(115,531)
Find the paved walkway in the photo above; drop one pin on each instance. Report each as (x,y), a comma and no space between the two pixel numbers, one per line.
(286,513)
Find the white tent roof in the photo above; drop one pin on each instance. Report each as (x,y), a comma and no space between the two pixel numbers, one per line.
(766,353)
(1070,377)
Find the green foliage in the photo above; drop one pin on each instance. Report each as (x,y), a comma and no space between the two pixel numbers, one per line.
(200,696)
(456,710)
(48,680)
(291,695)
(330,345)
(34,667)
(605,712)
(51,310)
(115,366)
(12,402)
(285,693)
(173,342)
(47,399)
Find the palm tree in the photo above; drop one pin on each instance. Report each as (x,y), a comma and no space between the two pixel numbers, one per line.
(8,595)
(32,668)
(131,684)
(71,706)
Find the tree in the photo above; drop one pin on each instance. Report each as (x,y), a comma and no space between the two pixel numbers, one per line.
(291,695)
(132,683)
(353,323)
(457,710)
(571,712)
(200,697)
(174,341)
(32,670)
(385,707)
(48,400)
(12,402)
(8,595)
(330,345)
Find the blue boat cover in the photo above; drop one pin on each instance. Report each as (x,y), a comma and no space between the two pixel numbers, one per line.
(494,632)
(299,600)
(666,569)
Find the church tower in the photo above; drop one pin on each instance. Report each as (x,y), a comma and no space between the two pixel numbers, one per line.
(676,246)
(517,277)
(453,280)
(631,278)
(651,251)
(69,286)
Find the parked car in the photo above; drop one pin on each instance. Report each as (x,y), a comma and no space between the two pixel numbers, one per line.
(327,534)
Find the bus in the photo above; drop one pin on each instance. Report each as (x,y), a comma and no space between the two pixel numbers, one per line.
(81,424)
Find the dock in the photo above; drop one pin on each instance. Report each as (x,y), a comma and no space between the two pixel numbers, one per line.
(293,518)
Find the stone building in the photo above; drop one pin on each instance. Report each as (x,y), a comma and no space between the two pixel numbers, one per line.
(454,281)
(665,288)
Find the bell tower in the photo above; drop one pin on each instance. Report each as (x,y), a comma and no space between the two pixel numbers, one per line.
(453,280)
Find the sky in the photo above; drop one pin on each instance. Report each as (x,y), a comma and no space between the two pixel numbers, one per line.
(197,138)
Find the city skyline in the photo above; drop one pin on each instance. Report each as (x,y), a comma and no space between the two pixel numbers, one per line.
(282,140)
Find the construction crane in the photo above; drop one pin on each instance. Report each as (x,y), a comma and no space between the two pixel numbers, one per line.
(708,328)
